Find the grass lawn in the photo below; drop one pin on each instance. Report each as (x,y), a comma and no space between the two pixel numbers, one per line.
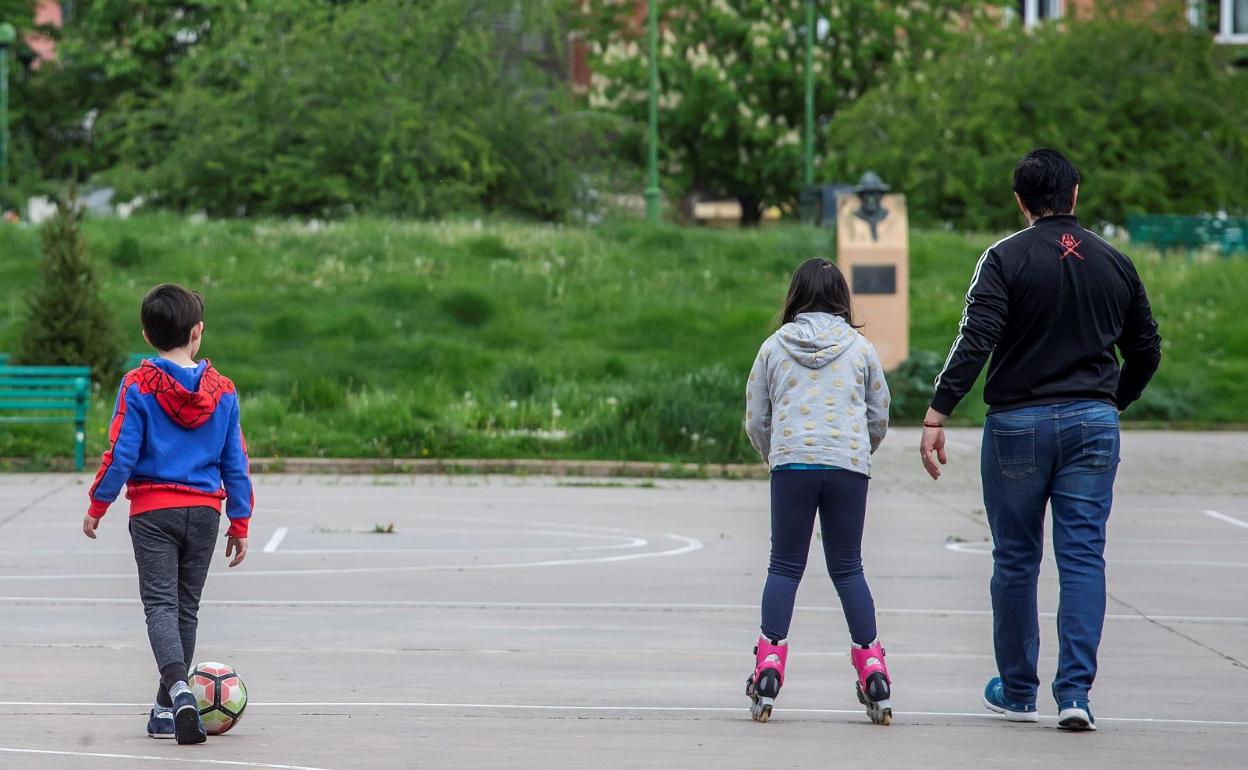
(381,338)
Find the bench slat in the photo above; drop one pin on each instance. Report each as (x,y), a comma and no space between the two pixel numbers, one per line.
(38,382)
(65,404)
(66,393)
(37,420)
(66,371)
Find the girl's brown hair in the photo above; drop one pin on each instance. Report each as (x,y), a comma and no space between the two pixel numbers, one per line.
(818,286)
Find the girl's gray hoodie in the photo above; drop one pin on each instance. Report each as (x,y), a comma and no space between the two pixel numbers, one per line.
(817,396)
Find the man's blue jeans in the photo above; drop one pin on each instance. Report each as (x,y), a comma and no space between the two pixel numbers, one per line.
(1065,454)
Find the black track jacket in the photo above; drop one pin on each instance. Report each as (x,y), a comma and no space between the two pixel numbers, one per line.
(1050,303)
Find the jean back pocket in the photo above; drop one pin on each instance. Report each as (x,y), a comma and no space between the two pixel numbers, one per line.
(1016,451)
(1100,445)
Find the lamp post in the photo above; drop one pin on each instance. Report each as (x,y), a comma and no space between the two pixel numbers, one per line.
(809,149)
(8,36)
(652,160)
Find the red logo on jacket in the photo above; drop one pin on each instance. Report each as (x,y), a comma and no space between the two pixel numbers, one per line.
(1069,243)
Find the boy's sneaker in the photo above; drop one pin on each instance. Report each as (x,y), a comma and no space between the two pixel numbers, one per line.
(188,727)
(160,722)
(1075,715)
(994,700)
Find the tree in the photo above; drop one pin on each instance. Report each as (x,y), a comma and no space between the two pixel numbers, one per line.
(67,320)
(419,107)
(117,56)
(732,80)
(1150,112)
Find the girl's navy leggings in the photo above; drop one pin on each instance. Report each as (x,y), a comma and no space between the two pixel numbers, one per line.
(840,498)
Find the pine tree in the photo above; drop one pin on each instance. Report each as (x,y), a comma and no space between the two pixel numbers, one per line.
(67,321)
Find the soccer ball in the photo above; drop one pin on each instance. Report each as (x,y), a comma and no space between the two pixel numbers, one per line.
(221,694)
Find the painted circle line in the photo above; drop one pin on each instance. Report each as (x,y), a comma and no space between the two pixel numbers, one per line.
(690,544)
(150,758)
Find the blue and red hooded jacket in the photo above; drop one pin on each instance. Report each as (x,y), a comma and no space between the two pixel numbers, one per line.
(175,441)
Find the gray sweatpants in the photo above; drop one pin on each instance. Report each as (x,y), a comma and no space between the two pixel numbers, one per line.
(173,548)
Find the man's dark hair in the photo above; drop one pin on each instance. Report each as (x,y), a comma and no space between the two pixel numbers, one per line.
(1045,181)
(818,286)
(169,313)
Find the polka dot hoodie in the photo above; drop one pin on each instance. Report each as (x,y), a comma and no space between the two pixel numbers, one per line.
(817,396)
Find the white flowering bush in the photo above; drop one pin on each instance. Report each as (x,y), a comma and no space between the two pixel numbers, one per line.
(732,80)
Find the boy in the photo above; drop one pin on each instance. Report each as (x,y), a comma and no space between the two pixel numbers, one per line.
(175,442)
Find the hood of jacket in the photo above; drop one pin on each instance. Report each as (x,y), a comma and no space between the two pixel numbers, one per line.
(816,339)
(188,395)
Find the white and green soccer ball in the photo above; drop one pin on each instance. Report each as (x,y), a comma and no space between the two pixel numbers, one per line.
(221,694)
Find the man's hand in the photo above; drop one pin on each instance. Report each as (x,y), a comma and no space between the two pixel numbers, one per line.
(237,546)
(933,442)
(89,523)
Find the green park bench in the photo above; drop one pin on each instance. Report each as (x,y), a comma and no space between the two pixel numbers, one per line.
(1172,231)
(38,393)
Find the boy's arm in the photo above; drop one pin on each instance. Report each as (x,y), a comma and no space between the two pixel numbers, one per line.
(125,439)
(758,406)
(236,476)
(877,399)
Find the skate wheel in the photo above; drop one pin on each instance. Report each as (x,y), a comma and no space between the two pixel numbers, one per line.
(761,709)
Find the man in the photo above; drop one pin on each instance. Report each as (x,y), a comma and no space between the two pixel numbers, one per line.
(1050,304)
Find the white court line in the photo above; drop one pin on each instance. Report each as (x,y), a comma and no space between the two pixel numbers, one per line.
(985,549)
(599,708)
(149,758)
(639,606)
(1228,519)
(489,652)
(279,535)
(690,545)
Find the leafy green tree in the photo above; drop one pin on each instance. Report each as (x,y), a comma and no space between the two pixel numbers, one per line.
(36,112)
(732,74)
(117,56)
(1150,112)
(422,107)
(67,320)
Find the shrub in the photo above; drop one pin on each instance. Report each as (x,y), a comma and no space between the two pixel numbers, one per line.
(67,321)
(468,308)
(1148,112)
(1160,402)
(490,247)
(910,385)
(319,395)
(424,109)
(694,416)
(126,253)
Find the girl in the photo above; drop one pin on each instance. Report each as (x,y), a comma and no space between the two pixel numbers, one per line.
(816,408)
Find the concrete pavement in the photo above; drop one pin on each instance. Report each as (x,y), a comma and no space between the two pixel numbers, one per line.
(555,623)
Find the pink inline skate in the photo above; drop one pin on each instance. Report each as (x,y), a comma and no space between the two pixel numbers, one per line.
(764,684)
(873,683)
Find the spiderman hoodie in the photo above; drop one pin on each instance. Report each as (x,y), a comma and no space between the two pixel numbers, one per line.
(175,442)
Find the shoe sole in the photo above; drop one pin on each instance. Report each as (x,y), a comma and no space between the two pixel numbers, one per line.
(1077,723)
(1012,716)
(161,736)
(187,723)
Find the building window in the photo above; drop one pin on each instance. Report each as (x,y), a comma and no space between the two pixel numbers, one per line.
(1233,26)
(1032,12)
